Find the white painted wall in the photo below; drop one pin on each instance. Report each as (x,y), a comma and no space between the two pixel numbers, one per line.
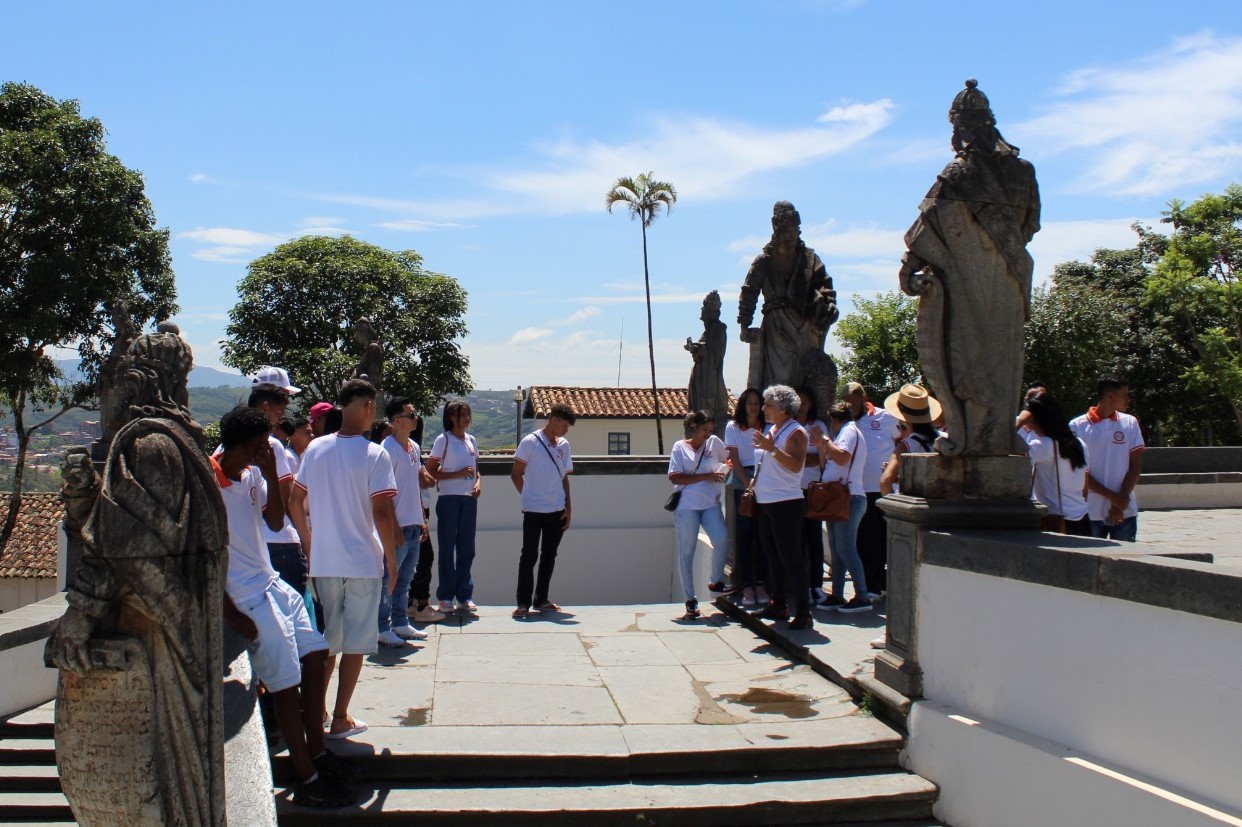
(27,682)
(1189,495)
(1150,692)
(589,437)
(16,592)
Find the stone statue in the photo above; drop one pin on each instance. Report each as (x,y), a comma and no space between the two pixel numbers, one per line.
(707,389)
(968,262)
(112,409)
(371,366)
(139,725)
(799,305)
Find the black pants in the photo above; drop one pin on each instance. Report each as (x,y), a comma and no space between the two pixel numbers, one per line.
(873,544)
(749,566)
(780,536)
(420,586)
(813,551)
(537,525)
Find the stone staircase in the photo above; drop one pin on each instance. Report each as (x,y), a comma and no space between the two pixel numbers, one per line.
(853,778)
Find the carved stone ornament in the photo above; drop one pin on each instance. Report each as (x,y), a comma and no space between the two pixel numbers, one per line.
(706,390)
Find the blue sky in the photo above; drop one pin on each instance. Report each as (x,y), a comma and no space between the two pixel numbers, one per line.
(484,135)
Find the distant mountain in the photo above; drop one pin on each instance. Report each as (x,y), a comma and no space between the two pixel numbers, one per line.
(200,377)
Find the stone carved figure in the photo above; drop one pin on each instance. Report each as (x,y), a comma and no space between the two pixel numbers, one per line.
(371,366)
(139,725)
(112,409)
(967,261)
(707,389)
(799,306)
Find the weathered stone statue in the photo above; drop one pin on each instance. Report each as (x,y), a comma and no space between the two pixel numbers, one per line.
(968,262)
(371,366)
(139,729)
(799,305)
(707,389)
(112,408)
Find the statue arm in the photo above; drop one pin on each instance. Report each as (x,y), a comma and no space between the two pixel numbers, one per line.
(749,298)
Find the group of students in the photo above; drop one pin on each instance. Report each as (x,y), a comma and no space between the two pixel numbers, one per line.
(329,534)
(776,446)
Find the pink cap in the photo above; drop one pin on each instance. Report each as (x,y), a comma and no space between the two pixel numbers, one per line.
(319,409)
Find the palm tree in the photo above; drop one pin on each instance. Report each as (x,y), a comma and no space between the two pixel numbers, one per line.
(643,197)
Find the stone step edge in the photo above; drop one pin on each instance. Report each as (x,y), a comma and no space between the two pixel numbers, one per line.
(887,702)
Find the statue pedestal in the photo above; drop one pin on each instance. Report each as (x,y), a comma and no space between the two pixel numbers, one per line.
(934,498)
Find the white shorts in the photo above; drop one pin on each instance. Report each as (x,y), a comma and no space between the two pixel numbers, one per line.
(285,636)
(350,607)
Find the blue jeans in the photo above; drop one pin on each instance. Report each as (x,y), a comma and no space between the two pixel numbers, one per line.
(456,515)
(394,608)
(687,522)
(1125,531)
(843,542)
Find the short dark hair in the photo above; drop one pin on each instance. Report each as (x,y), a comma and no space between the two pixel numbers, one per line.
(1110,382)
(454,409)
(287,427)
(354,389)
(379,430)
(841,412)
(696,418)
(395,406)
(241,425)
(299,422)
(267,392)
(333,420)
(563,411)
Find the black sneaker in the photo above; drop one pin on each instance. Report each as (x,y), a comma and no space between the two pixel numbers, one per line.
(692,610)
(801,622)
(719,587)
(332,767)
(322,793)
(831,601)
(858,604)
(773,613)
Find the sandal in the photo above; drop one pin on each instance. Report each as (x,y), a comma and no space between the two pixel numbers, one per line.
(547,606)
(520,613)
(355,728)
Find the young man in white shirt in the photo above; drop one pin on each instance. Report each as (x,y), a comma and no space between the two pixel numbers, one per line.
(1115,449)
(541,467)
(394,619)
(880,431)
(346,481)
(286,651)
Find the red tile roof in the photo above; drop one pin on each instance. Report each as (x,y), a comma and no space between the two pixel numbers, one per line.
(609,403)
(31,551)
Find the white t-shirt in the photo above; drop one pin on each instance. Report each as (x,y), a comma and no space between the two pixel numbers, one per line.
(455,454)
(341,474)
(880,431)
(405,468)
(286,468)
(742,440)
(698,496)
(1065,499)
(543,488)
(775,483)
(1110,442)
(849,438)
(250,566)
(810,473)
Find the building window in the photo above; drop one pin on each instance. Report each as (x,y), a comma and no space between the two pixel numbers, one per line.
(618,444)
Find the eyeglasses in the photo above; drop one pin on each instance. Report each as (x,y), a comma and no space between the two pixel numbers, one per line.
(403,416)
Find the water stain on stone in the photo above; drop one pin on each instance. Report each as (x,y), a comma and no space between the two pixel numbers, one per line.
(415,716)
(710,711)
(763,701)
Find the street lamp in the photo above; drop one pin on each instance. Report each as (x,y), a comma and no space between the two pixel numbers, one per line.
(518,398)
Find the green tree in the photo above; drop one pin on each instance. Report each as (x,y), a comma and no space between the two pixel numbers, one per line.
(1196,280)
(79,253)
(880,338)
(643,198)
(298,304)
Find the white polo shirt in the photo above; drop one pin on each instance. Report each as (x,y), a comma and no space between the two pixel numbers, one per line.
(405,468)
(543,489)
(880,430)
(455,454)
(1110,442)
(1057,484)
(250,570)
(848,439)
(743,440)
(341,475)
(698,496)
(286,468)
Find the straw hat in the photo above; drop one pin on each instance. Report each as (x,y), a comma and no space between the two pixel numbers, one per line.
(912,404)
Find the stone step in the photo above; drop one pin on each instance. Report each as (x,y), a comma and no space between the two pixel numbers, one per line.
(34,807)
(840,798)
(605,752)
(27,751)
(28,778)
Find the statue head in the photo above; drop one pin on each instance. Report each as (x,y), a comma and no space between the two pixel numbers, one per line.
(76,470)
(974,124)
(786,225)
(156,369)
(711,307)
(364,331)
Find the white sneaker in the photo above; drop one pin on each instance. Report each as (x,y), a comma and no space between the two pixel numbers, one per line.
(446,606)
(389,638)
(427,615)
(468,606)
(408,632)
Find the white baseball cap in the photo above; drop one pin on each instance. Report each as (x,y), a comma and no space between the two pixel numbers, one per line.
(278,377)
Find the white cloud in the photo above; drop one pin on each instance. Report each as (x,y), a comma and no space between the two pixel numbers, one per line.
(578,317)
(232,237)
(418,225)
(321,221)
(1151,126)
(529,335)
(201,178)
(1061,241)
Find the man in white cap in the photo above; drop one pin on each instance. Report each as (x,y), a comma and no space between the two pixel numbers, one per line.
(279,377)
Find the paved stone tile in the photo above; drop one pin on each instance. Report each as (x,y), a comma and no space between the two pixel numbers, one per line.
(550,670)
(415,739)
(652,694)
(691,648)
(483,646)
(751,670)
(647,738)
(506,705)
(628,650)
(750,647)
(383,697)
(666,618)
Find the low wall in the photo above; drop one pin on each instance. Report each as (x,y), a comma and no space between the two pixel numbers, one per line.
(1081,683)
(23,634)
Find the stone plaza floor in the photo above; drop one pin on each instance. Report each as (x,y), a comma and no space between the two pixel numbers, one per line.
(1214,530)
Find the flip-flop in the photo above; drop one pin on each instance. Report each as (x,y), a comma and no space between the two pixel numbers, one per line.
(520,613)
(358,728)
(547,607)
